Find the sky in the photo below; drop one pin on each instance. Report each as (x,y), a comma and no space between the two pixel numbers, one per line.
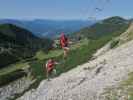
(65,9)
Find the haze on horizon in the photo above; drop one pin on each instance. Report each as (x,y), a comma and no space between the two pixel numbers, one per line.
(64,9)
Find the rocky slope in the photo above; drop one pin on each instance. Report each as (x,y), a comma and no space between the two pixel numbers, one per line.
(88,81)
(17,87)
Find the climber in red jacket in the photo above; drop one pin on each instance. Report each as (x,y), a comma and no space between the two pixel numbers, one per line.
(64,42)
(50,64)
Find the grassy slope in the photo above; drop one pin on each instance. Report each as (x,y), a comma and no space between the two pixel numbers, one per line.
(12,72)
(79,54)
(13,67)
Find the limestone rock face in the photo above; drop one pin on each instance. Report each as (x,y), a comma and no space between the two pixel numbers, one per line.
(87,81)
(13,88)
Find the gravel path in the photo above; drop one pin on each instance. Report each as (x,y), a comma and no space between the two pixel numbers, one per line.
(87,81)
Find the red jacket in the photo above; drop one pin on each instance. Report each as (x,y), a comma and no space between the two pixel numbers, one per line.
(63,40)
(50,65)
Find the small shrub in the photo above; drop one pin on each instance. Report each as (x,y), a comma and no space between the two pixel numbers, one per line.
(114,43)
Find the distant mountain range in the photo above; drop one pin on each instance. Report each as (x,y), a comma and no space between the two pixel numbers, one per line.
(110,26)
(49,28)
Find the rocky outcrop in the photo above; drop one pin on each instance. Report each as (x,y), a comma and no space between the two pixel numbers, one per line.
(9,91)
(103,50)
(88,81)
